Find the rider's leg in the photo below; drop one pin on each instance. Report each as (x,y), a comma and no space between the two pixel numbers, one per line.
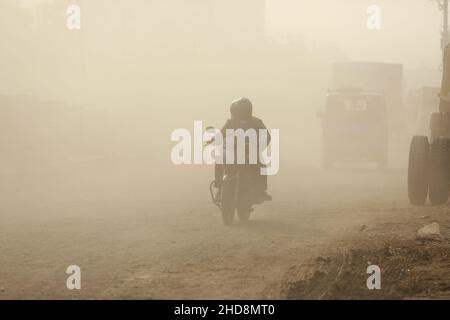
(263,186)
(218,175)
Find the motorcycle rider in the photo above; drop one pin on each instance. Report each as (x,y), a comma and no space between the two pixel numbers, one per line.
(241,111)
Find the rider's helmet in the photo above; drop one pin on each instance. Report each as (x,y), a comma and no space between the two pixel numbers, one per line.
(241,108)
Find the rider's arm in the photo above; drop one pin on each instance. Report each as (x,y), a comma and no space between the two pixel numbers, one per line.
(226,126)
(262,126)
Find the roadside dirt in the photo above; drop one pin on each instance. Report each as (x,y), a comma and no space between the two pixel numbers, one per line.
(411,268)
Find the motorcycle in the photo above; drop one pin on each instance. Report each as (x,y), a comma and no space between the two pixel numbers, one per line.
(238,192)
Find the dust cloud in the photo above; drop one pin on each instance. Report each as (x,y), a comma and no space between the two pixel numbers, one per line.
(86,114)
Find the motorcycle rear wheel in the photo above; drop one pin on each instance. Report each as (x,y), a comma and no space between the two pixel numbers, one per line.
(244,206)
(228,202)
(244,213)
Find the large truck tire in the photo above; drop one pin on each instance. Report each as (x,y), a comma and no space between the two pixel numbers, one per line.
(438,177)
(418,168)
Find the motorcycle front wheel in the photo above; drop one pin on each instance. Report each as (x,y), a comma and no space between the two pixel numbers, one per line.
(247,194)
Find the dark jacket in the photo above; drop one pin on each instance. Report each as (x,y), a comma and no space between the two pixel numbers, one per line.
(245,124)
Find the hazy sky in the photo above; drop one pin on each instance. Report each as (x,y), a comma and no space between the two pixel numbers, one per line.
(410,31)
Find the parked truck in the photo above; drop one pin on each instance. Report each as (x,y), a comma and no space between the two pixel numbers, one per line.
(429,157)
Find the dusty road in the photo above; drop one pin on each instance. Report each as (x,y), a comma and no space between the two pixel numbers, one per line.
(137,235)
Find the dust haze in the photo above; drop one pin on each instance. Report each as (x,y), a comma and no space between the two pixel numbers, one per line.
(86,120)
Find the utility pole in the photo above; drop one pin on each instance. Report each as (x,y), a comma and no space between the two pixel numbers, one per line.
(443,6)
